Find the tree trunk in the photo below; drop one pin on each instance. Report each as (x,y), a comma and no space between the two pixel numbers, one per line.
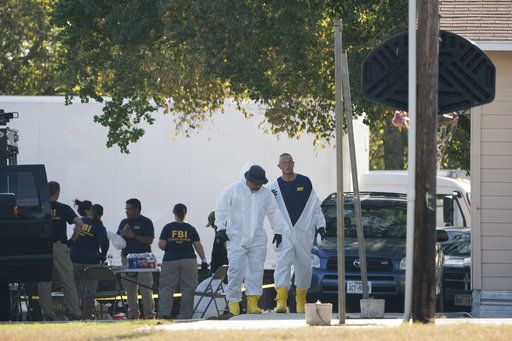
(395,143)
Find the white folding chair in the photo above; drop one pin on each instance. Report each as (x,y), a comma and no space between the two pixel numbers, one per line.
(213,291)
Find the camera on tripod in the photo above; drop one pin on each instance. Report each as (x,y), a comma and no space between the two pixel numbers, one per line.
(8,139)
(5,117)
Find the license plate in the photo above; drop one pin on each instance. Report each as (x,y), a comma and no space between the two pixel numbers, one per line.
(356,287)
(463,300)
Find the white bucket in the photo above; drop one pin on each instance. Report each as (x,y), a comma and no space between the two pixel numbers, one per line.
(318,314)
(372,308)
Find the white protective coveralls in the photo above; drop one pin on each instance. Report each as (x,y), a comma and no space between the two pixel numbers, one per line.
(241,213)
(297,241)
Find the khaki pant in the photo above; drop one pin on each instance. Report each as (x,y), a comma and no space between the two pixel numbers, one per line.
(63,272)
(184,273)
(131,281)
(86,289)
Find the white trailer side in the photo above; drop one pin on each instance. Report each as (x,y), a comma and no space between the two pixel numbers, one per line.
(162,171)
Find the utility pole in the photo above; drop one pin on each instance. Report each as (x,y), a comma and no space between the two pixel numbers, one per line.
(423,298)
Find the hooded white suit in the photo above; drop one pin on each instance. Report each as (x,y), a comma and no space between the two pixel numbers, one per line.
(297,241)
(241,212)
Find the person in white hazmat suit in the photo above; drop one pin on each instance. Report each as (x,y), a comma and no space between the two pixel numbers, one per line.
(301,210)
(239,214)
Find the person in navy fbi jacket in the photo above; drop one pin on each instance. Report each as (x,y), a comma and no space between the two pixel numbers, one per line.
(179,239)
(90,249)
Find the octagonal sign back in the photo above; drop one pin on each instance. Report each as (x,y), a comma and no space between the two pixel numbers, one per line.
(467,77)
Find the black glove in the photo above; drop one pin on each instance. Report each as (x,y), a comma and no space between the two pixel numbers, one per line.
(278,239)
(69,242)
(321,232)
(204,266)
(222,237)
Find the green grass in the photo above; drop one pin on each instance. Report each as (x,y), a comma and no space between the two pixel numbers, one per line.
(130,330)
(143,330)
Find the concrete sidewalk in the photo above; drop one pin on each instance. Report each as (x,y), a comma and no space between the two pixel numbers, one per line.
(271,320)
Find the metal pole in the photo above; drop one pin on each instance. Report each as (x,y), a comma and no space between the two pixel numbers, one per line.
(411,161)
(339,171)
(347,99)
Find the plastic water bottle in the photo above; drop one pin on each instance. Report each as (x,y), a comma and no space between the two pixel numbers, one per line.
(132,261)
(110,260)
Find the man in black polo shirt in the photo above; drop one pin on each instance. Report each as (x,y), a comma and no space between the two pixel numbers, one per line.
(138,231)
(301,210)
(62,267)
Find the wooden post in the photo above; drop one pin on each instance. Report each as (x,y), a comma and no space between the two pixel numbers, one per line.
(423,298)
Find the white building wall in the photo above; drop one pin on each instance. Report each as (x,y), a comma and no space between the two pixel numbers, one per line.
(161,171)
(491,153)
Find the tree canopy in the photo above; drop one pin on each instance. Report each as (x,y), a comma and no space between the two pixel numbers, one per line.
(189,57)
(30,53)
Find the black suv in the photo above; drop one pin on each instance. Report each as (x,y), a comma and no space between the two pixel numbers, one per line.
(26,230)
(384,224)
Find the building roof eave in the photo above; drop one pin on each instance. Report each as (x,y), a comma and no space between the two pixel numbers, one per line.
(488,45)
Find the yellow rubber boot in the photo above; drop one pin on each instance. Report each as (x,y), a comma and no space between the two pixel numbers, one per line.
(281,295)
(252,304)
(234,308)
(300,299)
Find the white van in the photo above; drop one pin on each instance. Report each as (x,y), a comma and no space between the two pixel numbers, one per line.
(453,194)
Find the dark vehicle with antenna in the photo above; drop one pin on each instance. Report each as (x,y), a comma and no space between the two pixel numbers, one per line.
(26,230)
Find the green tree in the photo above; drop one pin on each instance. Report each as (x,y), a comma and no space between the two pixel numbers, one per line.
(189,57)
(30,55)
(200,53)
(458,153)
(388,144)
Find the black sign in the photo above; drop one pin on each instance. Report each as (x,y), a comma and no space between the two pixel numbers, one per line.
(467,77)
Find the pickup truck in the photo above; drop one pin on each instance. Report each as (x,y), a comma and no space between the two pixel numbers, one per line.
(26,230)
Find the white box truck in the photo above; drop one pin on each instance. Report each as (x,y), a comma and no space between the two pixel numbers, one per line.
(161,169)
(453,193)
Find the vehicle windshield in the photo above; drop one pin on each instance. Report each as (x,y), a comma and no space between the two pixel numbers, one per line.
(22,184)
(382,218)
(458,243)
